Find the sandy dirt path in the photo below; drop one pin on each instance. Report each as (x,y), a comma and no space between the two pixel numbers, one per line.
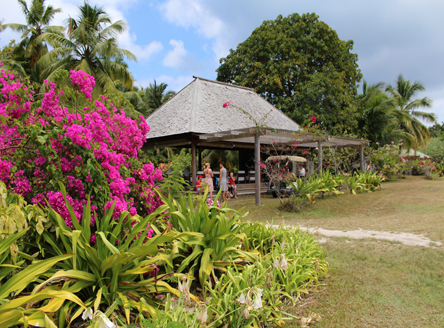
(403,237)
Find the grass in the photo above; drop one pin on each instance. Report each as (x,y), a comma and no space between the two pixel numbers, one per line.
(379,285)
(412,205)
(374,283)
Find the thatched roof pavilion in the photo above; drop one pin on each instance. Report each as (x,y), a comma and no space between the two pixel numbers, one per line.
(195,117)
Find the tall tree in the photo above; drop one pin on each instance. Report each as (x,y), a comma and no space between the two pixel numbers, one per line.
(379,118)
(32,46)
(155,96)
(404,93)
(91,46)
(300,65)
(437,131)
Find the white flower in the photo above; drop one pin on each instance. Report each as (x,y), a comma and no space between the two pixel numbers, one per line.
(184,288)
(242,299)
(88,313)
(102,321)
(246,313)
(283,264)
(203,316)
(257,302)
(277,264)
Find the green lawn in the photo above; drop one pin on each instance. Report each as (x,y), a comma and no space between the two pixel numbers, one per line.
(374,283)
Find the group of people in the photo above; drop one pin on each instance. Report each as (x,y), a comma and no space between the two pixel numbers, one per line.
(226,182)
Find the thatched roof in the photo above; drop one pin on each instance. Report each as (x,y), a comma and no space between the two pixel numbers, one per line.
(198,108)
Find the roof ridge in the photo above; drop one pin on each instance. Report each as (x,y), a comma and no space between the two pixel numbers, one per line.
(194,105)
(223,83)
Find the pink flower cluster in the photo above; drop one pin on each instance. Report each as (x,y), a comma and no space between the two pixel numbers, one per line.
(5,167)
(210,202)
(92,150)
(84,81)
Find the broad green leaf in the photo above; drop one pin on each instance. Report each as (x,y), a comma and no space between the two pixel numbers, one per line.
(206,266)
(108,245)
(126,306)
(10,318)
(21,280)
(98,299)
(20,301)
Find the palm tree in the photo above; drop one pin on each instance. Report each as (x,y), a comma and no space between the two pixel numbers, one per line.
(380,119)
(90,46)
(32,46)
(404,92)
(155,96)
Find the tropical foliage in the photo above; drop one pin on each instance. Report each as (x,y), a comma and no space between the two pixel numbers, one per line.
(56,139)
(306,191)
(388,161)
(32,46)
(222,231)
(435,149)
(390,113)
(154,96)
(304,70)
(404,92)
(91,46)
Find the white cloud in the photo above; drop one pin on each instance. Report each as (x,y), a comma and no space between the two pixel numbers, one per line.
(176,57)
(127,41)
(194,13)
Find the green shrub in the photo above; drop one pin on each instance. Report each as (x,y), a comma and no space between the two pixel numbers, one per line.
(306,191)
(219,247)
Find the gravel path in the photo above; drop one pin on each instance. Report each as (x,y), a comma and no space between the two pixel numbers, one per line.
(403,237)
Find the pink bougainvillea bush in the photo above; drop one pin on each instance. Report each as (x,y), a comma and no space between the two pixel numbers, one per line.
(92,149)
(388,161)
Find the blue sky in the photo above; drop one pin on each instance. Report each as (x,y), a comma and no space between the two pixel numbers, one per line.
(176,39)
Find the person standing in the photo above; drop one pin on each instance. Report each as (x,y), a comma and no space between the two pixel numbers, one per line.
(302,172)
(232,181)
(223,181)
(209,179)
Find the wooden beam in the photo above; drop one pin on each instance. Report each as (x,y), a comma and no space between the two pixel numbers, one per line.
(167,143)
(225,145)
(230,137)
(200,159)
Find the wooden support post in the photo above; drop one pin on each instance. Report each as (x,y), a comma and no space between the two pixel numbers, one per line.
(200,160)
(193,163)
(257,158)
(320,157)
(361,155)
